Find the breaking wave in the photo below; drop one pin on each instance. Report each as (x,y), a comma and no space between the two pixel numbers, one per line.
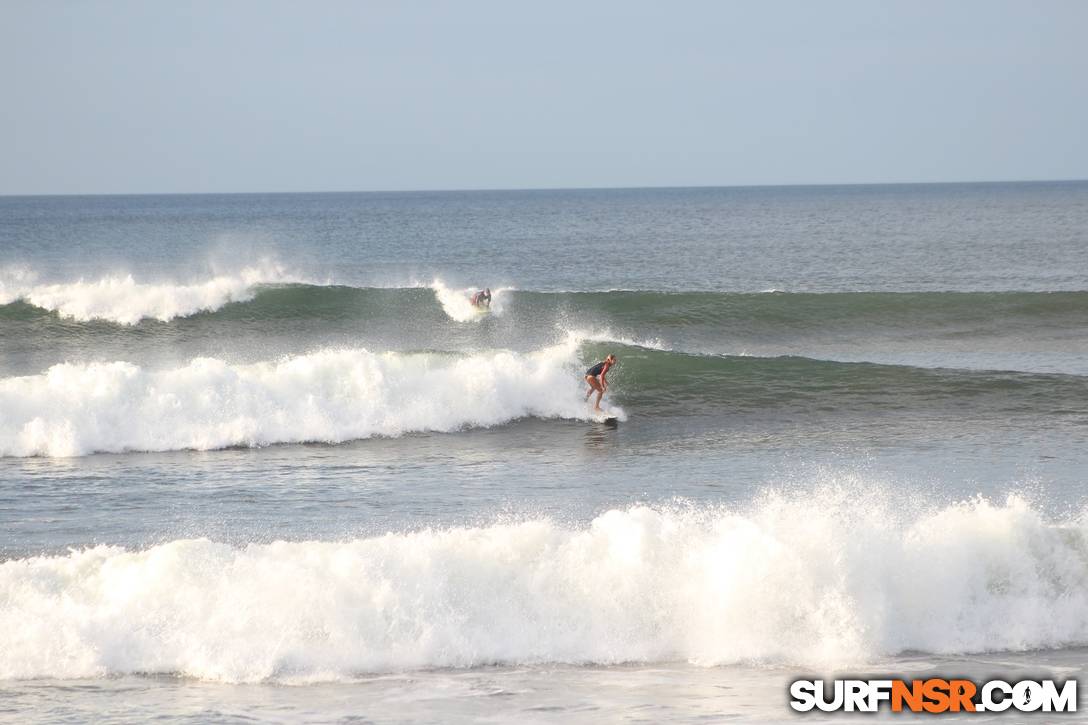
(267,289)
(782,581)
(328,396)
(337,395)
(124,300)
(457,303)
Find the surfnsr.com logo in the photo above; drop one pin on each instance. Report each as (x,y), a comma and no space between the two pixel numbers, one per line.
(933,695)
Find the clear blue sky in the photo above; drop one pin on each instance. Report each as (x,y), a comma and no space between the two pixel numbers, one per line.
(142,97)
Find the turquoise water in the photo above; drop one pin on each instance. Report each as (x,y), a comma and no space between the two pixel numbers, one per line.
(263,444)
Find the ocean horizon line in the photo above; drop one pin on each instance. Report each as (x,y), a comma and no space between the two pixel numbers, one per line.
(536,189)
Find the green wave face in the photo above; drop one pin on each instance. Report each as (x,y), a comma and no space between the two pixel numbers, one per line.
(765,314)
(682,384)
(850,326)
(699,371)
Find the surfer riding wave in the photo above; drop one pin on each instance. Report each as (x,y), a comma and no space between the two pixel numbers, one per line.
(482,298)
(595,376)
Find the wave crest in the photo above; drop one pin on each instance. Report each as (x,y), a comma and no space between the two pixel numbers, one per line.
(783,582)
(124,300)
(457,303)
(328,396)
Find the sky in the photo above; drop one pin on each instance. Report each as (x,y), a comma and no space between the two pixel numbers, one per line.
(260,96)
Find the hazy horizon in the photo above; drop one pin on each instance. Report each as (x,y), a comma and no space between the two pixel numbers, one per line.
(286,192)
(119,97)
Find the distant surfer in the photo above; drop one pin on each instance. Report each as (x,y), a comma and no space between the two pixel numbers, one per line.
(595,378)
(482,298)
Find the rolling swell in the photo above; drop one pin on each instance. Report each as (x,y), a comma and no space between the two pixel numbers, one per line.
(782,581)
(125,300)
(1037,331)
(761,313)
(339,395)
(672,382)
(328,396)
(289,362)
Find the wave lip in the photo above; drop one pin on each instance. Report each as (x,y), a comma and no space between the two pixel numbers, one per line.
(123,300)
(783,582)
(700,321)
(329,396)
(457,303)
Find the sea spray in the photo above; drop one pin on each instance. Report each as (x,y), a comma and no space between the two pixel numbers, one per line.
(457,303)
(327,396)
(785,580)
(123,299)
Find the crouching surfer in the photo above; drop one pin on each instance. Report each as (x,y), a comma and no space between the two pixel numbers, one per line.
(595,376)
(482,298)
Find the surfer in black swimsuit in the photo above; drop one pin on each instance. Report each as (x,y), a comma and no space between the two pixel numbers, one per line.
(595,378)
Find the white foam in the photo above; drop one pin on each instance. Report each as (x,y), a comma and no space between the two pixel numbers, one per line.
(457,303)
(333,396)
(125,300)
(836,584)
(606,335)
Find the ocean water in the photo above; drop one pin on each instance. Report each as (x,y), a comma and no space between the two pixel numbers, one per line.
(260,459)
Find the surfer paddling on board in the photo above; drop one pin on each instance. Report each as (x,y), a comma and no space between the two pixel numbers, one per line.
(482,298)
(595,378)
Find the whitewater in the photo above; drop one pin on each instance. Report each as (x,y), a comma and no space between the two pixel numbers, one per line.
(123,299)
(262,459)
(329,396)
(776,583)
